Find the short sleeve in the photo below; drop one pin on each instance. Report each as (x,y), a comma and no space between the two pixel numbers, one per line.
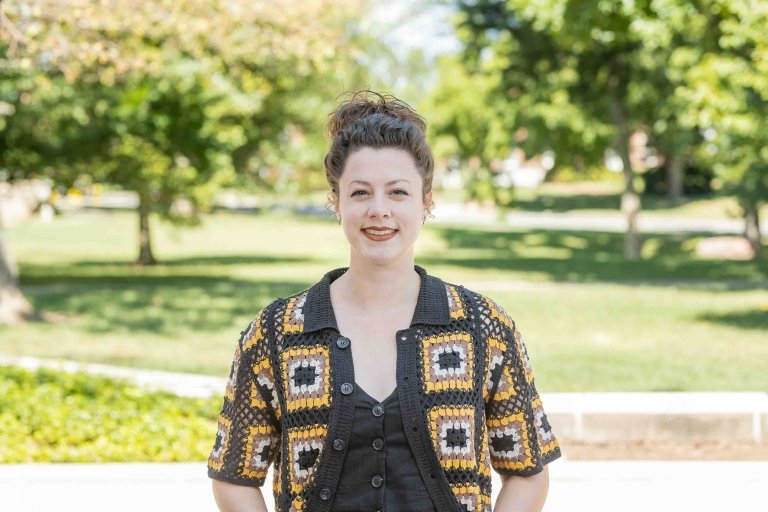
(520,438)
(248,430)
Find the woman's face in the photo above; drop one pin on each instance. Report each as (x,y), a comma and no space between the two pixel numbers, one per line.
(381,205)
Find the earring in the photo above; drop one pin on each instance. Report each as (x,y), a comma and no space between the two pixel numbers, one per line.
(339,217)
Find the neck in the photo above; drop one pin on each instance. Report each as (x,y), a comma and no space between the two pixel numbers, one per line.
(377,288)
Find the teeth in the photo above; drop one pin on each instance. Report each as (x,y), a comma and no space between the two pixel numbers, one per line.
(380,232)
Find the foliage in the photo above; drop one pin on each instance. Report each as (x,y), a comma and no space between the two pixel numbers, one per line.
(49,416)
(167,99)
(463,122)
(578,76)
(726,85)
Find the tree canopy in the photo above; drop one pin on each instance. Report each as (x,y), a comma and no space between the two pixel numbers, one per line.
(169,99)
(579,76)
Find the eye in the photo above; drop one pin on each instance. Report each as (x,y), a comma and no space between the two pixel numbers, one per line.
(400,191)
(358,192)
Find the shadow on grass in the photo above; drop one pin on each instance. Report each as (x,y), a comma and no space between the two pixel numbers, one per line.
(586,256)
(750,319)
(168,306)
(174,271)
(180,295)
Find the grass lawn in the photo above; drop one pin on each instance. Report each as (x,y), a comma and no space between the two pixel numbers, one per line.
(591,320)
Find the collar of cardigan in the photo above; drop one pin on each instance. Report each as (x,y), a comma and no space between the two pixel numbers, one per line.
(431,306)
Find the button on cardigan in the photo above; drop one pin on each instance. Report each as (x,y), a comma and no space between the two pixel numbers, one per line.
(465,388)
(379,471)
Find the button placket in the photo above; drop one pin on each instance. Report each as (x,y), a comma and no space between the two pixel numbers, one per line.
(378,479)
(341,368)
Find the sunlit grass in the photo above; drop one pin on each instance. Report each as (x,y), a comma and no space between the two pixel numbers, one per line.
(592,320)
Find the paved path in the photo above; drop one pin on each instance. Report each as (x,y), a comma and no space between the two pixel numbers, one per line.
(575,486)
(182,384)
(456,213)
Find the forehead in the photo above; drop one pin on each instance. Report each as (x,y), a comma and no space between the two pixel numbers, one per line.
(378,166)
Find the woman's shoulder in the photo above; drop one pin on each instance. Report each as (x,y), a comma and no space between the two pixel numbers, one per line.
(289,308)
(281,315)
(480,305)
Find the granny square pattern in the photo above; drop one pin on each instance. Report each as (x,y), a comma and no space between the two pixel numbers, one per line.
(509,442)
(266,387)
(254,334)
(229,391)
(453,433)
(220,446)
(258,446)
(293,318)
(498,313)
(306,373)
(547,439)
(494,362)
(448,362)
(305,445)
(468,497)
(455,308)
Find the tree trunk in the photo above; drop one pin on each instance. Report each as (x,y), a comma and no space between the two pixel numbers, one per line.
(14,307)
(630,199)
(145,241)
(675,177)
(752,226)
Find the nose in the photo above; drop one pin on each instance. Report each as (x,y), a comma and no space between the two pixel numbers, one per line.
(378,207)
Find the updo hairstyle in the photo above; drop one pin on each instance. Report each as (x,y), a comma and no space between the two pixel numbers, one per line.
(369,119)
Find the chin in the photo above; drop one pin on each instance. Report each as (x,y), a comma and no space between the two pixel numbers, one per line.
(380,258)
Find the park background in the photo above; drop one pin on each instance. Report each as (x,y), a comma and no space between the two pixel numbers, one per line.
(601,172)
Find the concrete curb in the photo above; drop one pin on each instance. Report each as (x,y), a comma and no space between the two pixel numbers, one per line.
(661,416)
(588,417)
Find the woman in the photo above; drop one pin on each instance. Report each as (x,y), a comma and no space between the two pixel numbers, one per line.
(381,387)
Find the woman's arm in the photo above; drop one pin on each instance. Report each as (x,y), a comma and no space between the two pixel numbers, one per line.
(523,493)
(238,498)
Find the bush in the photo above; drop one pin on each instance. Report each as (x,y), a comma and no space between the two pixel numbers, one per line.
(49,416)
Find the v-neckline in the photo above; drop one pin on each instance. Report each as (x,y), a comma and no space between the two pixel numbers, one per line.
(393,393)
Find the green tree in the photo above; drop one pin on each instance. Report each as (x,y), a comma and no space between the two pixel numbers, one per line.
(726,87)
(570,68)
(580,74)
(169,99)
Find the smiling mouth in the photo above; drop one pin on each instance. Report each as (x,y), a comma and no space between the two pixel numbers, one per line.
(379,232)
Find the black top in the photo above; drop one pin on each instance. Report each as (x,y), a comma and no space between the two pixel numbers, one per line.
(379,472)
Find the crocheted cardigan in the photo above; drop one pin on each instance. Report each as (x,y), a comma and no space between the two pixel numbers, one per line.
(464,382)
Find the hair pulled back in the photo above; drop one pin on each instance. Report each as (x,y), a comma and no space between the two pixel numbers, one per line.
(370,119)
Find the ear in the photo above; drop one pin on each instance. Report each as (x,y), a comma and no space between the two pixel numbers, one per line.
(428,200)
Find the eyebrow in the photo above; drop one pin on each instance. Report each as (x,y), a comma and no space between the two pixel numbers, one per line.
(388,183)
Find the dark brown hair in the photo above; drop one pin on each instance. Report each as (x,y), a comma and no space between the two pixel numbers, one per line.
(370,119)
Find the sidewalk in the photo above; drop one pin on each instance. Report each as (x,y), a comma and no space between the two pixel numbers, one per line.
(687,416)
(611,221)
(574,486)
